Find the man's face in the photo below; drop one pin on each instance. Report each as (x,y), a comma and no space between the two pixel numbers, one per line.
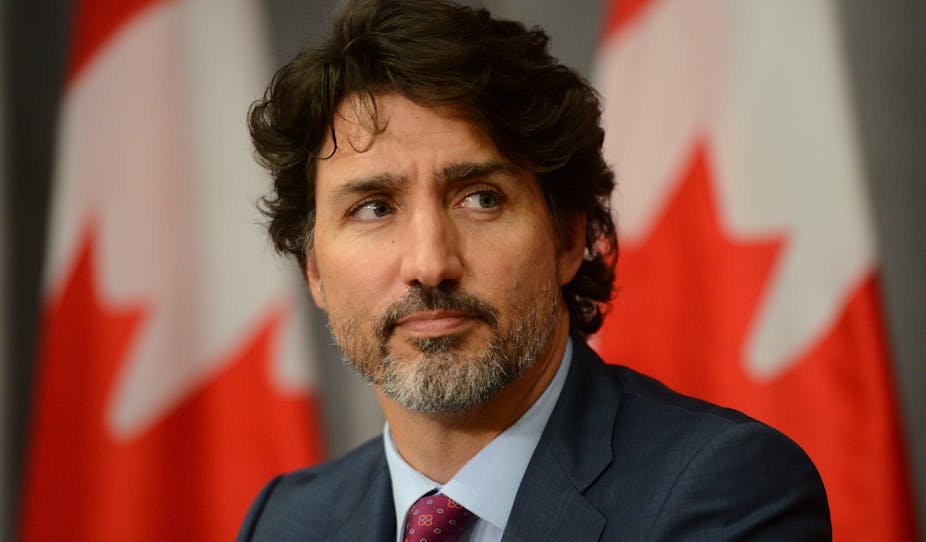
(435,257)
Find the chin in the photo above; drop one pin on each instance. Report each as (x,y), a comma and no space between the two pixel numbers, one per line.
(438,344)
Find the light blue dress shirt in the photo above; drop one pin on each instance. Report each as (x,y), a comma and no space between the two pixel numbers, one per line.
(489,482)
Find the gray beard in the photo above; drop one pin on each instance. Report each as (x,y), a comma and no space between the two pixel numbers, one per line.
(444,380)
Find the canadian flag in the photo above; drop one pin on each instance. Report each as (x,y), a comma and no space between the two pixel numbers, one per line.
(173,379)
(748,274)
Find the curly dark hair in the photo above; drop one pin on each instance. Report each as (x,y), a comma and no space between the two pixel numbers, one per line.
(540,114)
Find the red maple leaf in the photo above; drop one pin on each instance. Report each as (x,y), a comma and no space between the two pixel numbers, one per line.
(192,474)
(686,301)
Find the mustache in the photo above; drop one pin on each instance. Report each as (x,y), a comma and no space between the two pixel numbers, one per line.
(422,298)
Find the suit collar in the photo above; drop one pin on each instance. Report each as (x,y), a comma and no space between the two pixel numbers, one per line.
(581,429)
(573,452)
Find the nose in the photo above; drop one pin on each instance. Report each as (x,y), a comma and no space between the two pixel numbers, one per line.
(431,249)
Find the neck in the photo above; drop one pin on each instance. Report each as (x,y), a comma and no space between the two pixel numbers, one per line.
(439,445)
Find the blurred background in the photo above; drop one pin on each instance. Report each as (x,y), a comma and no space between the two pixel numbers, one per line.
(62,87)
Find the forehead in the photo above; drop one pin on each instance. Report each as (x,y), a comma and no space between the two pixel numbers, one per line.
(387,130)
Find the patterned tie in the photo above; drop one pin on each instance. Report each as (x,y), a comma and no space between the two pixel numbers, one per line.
(436,518)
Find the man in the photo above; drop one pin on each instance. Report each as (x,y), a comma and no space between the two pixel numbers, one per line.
(439,178)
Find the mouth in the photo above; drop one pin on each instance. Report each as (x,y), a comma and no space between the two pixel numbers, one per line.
(434,323)
(429,313)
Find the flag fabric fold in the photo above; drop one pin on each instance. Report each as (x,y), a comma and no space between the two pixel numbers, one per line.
(173,378)
(748,273)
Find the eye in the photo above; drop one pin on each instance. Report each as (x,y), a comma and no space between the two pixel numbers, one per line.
(483,199)
(371,210)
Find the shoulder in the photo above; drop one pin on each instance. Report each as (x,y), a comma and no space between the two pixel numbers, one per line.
(721,473)
(310,498)
(694,466)
(649,405)
(630,406)
(686,429)
(641,406)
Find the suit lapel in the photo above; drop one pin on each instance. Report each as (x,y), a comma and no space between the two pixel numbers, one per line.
(549,507)
(574,450)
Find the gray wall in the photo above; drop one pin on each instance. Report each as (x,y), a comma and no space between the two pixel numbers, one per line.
(33,40)
(886,53)
(5,407)
(887,61)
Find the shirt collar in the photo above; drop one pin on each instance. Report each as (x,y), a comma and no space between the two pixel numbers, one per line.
(488,483)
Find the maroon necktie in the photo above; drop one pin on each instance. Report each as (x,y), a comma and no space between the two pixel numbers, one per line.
(436,518)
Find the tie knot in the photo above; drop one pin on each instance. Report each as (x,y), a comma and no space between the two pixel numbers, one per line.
(436,518)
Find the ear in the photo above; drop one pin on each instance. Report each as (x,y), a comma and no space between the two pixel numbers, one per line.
(314,280)
(571,249)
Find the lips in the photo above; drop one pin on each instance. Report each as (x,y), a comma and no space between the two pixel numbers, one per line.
(432,323)
(433,312)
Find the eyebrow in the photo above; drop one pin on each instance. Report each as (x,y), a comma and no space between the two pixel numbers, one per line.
(463,171)
(376,183)
(451,173)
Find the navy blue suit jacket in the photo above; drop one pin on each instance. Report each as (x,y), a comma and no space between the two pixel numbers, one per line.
(622,458)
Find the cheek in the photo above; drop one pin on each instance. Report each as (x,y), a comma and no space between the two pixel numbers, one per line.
(522,259)
(354,282)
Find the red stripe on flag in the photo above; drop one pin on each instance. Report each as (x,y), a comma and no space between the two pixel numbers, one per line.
(95,22)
